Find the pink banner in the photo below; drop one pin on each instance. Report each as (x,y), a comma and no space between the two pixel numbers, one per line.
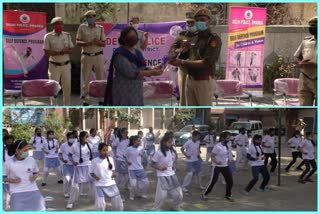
(24,58)
(245,54)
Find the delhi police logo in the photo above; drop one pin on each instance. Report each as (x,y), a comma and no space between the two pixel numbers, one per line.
(248,14)
(24,18)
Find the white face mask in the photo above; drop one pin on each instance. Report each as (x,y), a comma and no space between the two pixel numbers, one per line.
(135,26)
(51,136)
(71,140)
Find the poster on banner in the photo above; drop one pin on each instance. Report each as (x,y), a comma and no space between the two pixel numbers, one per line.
(245,54)
(161,37)
(24,58)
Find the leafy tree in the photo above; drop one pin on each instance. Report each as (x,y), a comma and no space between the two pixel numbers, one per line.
(58,124)
(22,132)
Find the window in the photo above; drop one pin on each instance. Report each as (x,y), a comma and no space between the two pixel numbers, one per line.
(158,118)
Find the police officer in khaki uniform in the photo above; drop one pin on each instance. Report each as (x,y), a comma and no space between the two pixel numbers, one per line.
(142,36)
(200,64)
(307,55)
(58,45)
(180,49)
(91,38)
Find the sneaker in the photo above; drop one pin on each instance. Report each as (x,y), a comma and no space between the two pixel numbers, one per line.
(69,206)
(301,181)
(184,189)
(60,182)
(201,187)
(245,192)
(299,169)
(308,180)
(144,196)
(131,198)
(229,198)
(204,197)
(43,184)
(223,182)
(66,195)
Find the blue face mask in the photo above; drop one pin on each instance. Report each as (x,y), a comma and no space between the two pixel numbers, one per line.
(90,21)
(201,26)
(24,155)
(192,29)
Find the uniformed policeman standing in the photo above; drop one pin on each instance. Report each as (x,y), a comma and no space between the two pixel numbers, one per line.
(307,54)
(91,38)
(181,48)
(142,36)
(58,45)
(200,64)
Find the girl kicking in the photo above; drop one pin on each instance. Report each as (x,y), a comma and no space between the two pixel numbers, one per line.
(138,179)
(81,159)
(51,149)
(165,162)
(102,171)
(21,174)
(256,156)
(65,155)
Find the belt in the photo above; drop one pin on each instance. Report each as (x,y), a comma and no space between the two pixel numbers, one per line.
(92,54)
(60,63)
(202,77)
(309,77)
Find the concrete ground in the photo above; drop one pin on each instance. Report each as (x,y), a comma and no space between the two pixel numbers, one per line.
(289,196)
(266,100)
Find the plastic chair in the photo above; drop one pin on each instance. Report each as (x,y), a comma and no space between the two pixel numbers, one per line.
(97,88)
(285,87)
(158,90)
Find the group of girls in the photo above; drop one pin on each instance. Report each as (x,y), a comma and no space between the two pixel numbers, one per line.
(85,161)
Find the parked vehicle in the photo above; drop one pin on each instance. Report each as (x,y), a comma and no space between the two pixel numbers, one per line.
(183,135)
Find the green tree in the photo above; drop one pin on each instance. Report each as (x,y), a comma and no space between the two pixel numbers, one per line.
(58,124)
(22,132)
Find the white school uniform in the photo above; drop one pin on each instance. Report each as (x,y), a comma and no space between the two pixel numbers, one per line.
(222,155)
(51,159)
(242,142)
(25,196)
(5,186)
(268,141)
(294,143)
(307,147)
(210,140)
(66,152)
(167,181)
(106,186)
(121,167)
(149,140)
(37,143)
(252,150)
(94,143)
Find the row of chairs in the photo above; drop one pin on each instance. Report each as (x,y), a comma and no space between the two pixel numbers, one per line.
(154,90)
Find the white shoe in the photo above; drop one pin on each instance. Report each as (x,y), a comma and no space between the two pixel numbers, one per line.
(202,187)
(66,195)
(184,189)
(131,198)
(83,194)
(223,182)
(69,206)
(144,196)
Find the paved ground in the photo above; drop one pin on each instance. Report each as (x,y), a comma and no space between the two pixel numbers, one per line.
(290,196)
(266,100)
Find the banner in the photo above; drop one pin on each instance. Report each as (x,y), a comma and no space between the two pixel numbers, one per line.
(30,116)
(24,58)
(161,37)
(245,54)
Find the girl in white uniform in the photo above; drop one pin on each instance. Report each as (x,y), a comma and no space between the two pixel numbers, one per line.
(308,155)
(138,179)
(268,144)
(294,142)
(191,150)
(65,154)
(102,171)
(149,140)
(51,149)
(8,140)
(94,141)
(165,162)
(37,142)
(141,148)
(256,156)
(113,138)
(221,155)
(242,142)
(210,140)
(21,174)
(121,144)
(81,159)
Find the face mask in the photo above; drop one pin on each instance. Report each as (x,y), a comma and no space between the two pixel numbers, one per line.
(131,41)
(24,155)
(313,31)
(192,29)
(38,134)
(90,21)
(58,28)
(135,26)
(71,140)
(51,136)
(201,26)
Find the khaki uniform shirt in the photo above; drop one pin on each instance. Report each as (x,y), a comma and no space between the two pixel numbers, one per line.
(56,42)
(88,34)
(308,51)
